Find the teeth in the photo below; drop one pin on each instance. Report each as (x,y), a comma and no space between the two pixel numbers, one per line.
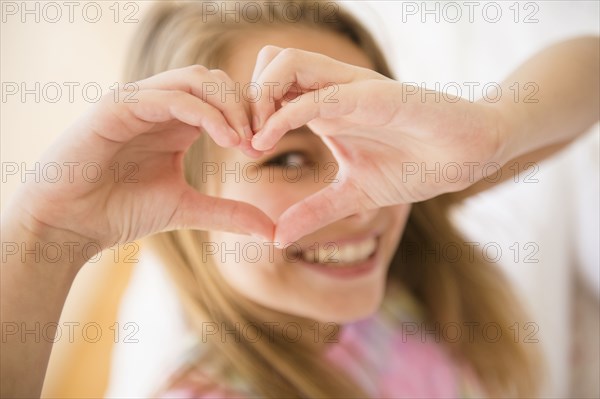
(340,255)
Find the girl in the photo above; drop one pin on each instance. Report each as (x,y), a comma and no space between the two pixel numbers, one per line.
(354,280)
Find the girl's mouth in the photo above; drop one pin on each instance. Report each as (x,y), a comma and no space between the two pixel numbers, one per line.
(333,254)
(343,259)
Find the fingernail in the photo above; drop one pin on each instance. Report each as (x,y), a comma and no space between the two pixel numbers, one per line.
(248,132)
(256,141)
(249,151)
(256,125)
(252,152)
(237,139)
(252,93)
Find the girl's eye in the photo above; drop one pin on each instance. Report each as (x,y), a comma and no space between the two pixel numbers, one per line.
(292,158)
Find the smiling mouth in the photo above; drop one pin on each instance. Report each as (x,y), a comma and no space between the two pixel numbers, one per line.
(337,255)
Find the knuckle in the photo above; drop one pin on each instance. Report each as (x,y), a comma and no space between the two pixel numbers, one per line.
(290,55)
(220,73)
(108,101)
(197,69)
(108,98)
(269,50)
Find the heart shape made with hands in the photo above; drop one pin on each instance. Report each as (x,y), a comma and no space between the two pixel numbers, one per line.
(290,106)
(372,128)
(272,117)
(181,95)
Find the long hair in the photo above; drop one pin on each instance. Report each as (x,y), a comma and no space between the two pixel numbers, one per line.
(467,293)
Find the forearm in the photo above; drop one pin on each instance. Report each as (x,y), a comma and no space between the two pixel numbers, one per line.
(35,281)
(566,104)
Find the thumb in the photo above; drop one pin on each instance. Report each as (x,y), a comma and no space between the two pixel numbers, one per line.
(324,207)
(203,212)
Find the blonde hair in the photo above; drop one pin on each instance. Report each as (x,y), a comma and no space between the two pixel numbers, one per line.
(467,293)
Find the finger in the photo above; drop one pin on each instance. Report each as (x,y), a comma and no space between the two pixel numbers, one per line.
(304,109)
(334,202)
(201,212)
(298,69)
(122,121)
(264,57)
(246,140)
(228,100)
(208,85)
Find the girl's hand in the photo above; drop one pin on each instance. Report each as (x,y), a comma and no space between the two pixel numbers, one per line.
(133,151)
(393,143)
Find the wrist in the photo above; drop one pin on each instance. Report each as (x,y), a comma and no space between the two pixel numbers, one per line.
(510,131)
(26,239)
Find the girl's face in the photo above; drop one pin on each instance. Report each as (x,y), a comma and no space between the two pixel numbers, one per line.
(336,274)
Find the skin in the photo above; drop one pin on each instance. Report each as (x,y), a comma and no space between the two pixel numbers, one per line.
(284,284)
(377,118)
(370,121)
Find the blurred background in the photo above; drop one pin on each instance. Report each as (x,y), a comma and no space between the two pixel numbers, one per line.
(55,57)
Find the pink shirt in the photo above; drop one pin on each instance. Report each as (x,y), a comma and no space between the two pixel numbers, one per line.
(379,355)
